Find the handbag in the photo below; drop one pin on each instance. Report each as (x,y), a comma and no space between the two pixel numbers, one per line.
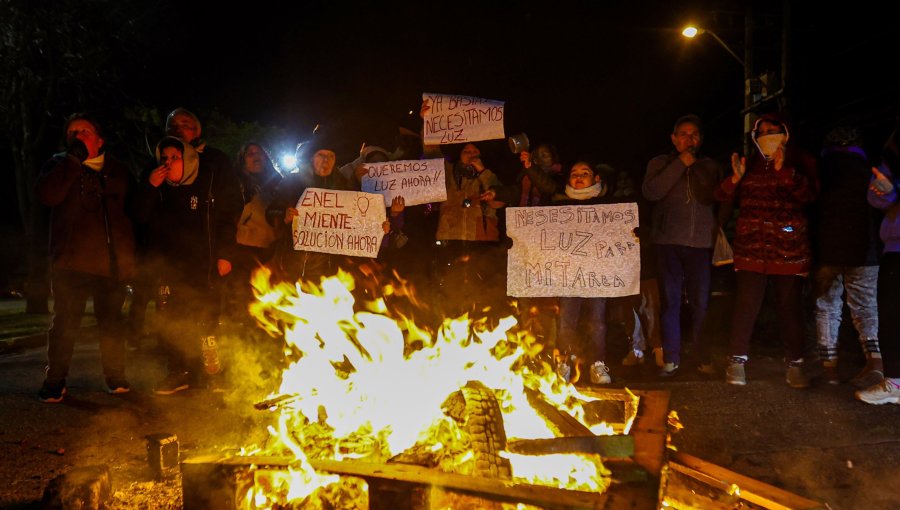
(722,252)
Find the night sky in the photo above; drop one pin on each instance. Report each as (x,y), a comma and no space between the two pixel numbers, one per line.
(602,79)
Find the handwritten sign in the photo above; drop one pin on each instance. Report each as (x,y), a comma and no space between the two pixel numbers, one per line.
(573,250)
(418,181)
(341,222)
(458,119)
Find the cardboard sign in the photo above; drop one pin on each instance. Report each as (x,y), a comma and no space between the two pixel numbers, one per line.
(460,119)
(340,222)
(417,181)
(573,250)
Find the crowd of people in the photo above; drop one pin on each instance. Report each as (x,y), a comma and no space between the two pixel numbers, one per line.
(197,223)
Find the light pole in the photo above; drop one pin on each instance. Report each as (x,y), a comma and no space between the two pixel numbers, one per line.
(692,31)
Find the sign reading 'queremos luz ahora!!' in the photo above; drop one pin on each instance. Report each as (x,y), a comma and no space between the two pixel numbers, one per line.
(419,181)
(340,222)
(573,250)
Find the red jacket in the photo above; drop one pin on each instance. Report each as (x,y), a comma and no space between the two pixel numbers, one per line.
(772,235)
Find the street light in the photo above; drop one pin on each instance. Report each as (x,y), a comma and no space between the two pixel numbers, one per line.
(691,31)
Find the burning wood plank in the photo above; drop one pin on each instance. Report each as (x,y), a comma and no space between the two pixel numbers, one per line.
(605,446)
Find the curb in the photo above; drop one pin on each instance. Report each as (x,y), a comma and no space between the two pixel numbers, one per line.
(16,344)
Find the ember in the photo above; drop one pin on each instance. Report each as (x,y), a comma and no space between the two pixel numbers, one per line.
(364,386)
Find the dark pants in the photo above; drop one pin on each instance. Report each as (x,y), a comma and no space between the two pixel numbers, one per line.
(680,267)
(570,309)
(470,277)
(889,313)
(190,313)
(751,290)
(71,290)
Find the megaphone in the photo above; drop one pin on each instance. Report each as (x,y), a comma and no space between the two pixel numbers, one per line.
(518,143)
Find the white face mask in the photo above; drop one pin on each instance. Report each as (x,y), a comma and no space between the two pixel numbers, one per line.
(768,144)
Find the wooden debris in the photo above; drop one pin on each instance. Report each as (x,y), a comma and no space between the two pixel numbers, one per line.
(85,488)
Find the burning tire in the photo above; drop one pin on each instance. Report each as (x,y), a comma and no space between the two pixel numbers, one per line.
(474,407)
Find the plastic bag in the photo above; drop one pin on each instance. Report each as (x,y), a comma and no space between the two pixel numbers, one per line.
(722,253)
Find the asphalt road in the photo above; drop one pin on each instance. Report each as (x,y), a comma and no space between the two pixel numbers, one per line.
(818,443)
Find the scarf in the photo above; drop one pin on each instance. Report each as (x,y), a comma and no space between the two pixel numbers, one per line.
(595,190)
(94,163)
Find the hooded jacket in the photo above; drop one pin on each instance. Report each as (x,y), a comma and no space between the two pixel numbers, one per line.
(771,235)
(192,223)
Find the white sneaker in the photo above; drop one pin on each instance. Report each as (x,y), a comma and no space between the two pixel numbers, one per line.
(600,373)
(885,392)
(735,373)
(633,359)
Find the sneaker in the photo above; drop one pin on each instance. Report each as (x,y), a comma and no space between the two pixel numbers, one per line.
(870,375)
(215,383)
(735,373)
(658,357)
(564,370)
(52,393)
(668,370)
(706,369)
(173,383)
(599,373)
(885,392)
(117,385)
(796,377)
(633,359)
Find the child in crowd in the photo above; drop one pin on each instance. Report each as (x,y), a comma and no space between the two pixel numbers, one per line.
(584,187)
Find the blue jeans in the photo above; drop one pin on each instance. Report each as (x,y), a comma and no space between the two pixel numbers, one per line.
(569,311)
(680,267)
(861,284)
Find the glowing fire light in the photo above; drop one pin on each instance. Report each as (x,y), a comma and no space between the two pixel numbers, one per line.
(356,388)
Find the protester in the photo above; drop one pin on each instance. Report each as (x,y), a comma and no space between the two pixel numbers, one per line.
(772,189)
(470,263)
(845,248)
(644,309)
(256,234)
(683,229)
(539,178)
(883,195)
(584,188)
(91,248)
(295,265)
(191,204)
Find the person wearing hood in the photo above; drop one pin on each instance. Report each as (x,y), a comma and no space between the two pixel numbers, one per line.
(295,265)
(191,210)
(772,189)
(882,195)
(680,185)
(256,233)
(845,245)
(91,250)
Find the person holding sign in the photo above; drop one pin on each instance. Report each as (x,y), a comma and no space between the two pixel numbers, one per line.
(584,188)
(683,229)
(468,232)
(305,264)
